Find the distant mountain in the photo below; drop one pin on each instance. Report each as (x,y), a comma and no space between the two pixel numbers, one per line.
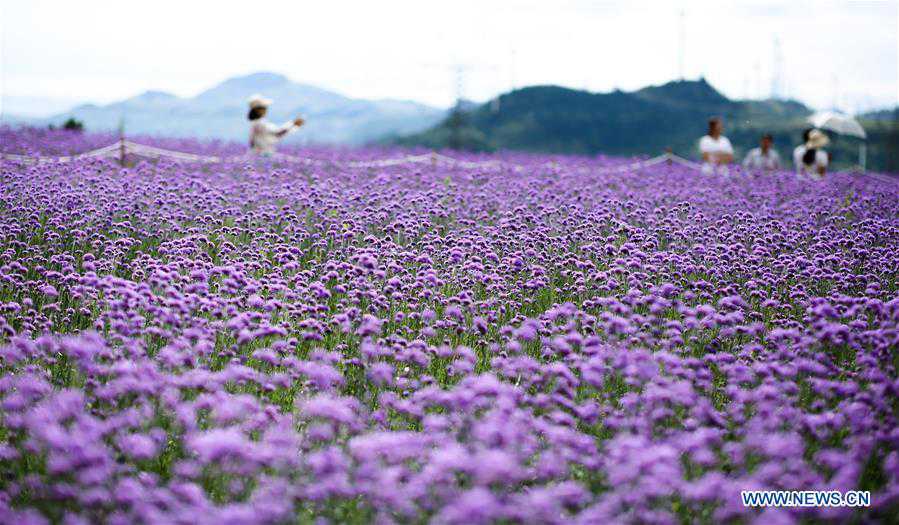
(220,112)
(554,119)
(882,114)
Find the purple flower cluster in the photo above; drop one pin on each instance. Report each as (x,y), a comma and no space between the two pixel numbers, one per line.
(258,342)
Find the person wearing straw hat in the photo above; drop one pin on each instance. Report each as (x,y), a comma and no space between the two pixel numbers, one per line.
(810,158)
(263,134)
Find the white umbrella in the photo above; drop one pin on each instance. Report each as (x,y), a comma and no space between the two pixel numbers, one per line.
(842,124)
(838,123)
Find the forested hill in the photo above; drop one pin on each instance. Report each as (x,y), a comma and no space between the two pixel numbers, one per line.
(561,120)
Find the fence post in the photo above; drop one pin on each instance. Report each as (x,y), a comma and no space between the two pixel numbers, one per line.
(863,156)
(122,142)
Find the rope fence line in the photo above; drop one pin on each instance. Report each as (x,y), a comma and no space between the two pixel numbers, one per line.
(153,152)
(106,151)
(124,147)
(684,162)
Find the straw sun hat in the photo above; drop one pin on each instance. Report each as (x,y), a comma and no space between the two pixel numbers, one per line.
(258,101)
(816,139)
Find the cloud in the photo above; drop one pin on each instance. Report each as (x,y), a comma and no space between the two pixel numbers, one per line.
(100,51)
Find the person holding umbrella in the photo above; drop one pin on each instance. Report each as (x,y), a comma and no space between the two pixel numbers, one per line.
(263,134)
(810,158)
(846,125)
(799,150)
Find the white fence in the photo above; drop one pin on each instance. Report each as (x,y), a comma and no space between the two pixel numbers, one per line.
(120,149)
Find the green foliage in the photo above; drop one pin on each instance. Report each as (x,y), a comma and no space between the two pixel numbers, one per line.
(73,124)
(553,119)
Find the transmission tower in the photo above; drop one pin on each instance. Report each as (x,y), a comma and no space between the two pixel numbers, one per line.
(757,69)
(457,116)
(836,92)
(512,70)
(459,71)
(777,71)
(681,44)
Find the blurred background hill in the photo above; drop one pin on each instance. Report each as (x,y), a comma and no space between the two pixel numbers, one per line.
(554,119)
(546,119)
(220,112)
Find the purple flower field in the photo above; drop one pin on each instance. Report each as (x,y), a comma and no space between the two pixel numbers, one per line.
(258,342)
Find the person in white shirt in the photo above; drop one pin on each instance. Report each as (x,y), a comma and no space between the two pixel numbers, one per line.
(263,134)
(810,158)
(764,157)
(716,150)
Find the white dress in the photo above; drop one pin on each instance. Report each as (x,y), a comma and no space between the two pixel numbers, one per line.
(715,146)
(264,135)
(811,170)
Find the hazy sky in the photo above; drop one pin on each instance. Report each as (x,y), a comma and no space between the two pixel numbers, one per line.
(59,52)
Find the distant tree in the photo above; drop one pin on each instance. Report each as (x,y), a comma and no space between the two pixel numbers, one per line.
(73,124)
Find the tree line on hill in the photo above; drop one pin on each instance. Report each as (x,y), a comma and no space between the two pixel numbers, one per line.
(553,119)
(71,124)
